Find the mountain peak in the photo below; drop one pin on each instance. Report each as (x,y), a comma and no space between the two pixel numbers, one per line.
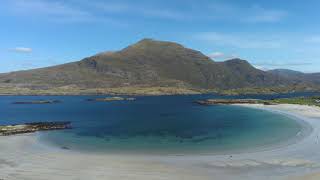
(236,61)
(144,40)
(163,51)
(149,43)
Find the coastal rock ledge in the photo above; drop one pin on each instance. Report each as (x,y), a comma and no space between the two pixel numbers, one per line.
(233,101)
(33,127)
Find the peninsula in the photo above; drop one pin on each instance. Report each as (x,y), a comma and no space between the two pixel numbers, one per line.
(311,101)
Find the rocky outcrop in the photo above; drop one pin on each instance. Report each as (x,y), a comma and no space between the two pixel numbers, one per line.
(33,127)
(107,99)
(38,102)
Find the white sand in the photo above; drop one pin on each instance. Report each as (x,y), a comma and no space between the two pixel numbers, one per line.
(23,157)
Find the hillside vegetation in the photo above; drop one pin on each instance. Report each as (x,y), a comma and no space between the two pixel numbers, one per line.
(147,67)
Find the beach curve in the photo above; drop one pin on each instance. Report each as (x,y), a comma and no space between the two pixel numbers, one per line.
(23,157)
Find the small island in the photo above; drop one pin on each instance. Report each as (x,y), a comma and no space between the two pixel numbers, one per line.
(8,130)
(108,99)
(38,102)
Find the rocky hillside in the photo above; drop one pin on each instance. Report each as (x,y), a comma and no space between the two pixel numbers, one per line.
(148,63)
(296,76)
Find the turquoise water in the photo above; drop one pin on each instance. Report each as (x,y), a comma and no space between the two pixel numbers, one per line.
(156,125)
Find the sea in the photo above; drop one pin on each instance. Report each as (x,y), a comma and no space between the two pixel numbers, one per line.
(156,124)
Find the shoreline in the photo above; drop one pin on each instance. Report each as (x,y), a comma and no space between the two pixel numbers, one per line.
(304,132)
(24,157)
(184,93)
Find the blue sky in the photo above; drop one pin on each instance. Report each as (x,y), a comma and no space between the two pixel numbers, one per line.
(268,33)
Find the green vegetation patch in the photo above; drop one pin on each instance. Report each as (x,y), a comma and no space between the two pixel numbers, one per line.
(311,101)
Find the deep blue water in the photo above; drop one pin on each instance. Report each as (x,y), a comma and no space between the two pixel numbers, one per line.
(163,124)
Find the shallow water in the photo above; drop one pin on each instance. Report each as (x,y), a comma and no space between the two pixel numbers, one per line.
(158,125)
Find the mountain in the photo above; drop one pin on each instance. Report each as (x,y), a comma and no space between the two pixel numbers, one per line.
(146,64)
(299,77)
(287,73)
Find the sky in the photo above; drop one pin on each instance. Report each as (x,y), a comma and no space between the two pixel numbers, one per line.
(269,34)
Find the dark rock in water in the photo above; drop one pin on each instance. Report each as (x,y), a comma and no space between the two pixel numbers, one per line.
(33,127)
(64,147)
(38,102)
(108,99)
(198,140)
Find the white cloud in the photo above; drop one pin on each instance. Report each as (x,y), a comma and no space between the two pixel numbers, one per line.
(215,55)
(88,11)
(283,64)
(110,7)
(261,15)
(165,14)
(232,56)
(222,56)
(49,8)
(247,13)
(261,67)
(56,11)
(313,39)
(22,50)
(294,65)
(240,41)
(137,9)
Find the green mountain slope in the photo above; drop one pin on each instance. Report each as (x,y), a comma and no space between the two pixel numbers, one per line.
(148,63)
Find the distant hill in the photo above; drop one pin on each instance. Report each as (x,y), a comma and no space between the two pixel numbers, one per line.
(287,73)
(300,77)
(146,64)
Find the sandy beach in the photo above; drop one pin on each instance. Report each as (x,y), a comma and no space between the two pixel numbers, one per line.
(24,157)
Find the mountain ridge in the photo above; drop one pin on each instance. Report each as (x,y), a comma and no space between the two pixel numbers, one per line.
(148,64)
(297,76)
